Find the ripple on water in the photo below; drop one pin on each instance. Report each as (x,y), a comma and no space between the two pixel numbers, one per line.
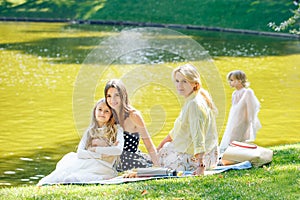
(26,159)
(34,177)
(9,172)
(5,184)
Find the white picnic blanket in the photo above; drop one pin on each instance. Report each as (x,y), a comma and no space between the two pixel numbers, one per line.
(121,179)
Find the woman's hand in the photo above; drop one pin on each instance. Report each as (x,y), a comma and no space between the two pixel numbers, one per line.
(199,171)
(200,164)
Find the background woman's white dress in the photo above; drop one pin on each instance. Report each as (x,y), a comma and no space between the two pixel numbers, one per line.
(243,122)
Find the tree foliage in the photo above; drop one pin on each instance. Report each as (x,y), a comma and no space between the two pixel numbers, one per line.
(291,25)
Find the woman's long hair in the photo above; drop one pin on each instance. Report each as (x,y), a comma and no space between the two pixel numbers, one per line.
(190,73)
(110,129)
(125,108)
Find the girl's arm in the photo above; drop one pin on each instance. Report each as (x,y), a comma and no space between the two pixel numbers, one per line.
(138,120)
(253,104)
(82,152)
(111,150)
(253,107)
(115,149)
(83,141)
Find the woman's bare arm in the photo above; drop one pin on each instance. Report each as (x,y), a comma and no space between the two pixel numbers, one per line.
(141,128)
(167,139)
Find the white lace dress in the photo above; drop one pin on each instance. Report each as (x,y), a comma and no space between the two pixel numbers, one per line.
(243,122)
(86,166)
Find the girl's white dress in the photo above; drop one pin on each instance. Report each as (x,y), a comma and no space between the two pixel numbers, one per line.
(86,166)
(243,122)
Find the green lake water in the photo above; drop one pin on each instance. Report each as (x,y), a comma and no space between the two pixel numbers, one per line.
(41,64)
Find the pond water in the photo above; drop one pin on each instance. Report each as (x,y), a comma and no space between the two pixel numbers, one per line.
(51,74)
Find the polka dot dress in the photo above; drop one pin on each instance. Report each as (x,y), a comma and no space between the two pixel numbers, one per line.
(131,156)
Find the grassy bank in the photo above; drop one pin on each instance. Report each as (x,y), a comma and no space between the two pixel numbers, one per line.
(248,14)
(278,180)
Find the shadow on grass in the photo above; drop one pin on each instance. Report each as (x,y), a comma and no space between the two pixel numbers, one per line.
(57,9)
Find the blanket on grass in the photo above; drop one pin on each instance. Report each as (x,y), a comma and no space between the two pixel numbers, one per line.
(121,179)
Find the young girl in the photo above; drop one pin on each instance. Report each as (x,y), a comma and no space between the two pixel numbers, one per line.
(192,144)
(243,122)
(134,127)
(97,151)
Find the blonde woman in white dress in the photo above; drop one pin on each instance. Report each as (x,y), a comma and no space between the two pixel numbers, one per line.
(192,143)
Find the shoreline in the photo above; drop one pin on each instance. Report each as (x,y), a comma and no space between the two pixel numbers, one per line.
(149,24)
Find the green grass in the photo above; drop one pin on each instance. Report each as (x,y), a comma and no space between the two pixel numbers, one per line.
(278,180)
(247,14)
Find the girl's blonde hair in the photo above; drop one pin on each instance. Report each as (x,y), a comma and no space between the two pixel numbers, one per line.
(110,129)
(239,75)
(190,73)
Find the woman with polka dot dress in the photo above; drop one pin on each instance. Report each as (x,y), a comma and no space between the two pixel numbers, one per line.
(134,127)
